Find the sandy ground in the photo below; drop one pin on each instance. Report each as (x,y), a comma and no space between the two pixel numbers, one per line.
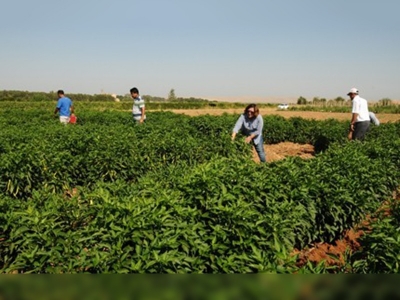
(287,114)
(285,149)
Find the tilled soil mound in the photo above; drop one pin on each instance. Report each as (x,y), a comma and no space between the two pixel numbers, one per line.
(282,150)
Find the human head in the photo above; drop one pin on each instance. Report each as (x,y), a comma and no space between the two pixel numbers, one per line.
(352,93)
(134,92)
(60,93)
(251,111)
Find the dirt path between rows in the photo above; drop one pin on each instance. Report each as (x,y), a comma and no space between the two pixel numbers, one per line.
(287,114)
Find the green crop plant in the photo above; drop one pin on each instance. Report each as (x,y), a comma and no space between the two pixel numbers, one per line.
(176,195)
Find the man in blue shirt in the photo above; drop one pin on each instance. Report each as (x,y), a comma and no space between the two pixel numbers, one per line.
(64,107)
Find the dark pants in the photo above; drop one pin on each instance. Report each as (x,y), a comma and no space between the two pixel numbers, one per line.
(360,129)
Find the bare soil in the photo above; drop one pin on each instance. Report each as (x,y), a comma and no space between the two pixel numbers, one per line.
(285,149)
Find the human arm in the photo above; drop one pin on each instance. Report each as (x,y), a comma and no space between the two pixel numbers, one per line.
(58,106)
(354,113)
(237,126)
(250,138)
(233,135)
(350,135)
(257,131)
(142,109)
(353,120)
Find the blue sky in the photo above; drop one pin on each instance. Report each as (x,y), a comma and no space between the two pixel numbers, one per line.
(205,48)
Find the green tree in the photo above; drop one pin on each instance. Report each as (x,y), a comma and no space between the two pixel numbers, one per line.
(385,102)
(316,100)
(171,95)
(301,100)
(319,101)
(339,100)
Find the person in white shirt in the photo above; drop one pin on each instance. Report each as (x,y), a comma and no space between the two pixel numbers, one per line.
(360,119)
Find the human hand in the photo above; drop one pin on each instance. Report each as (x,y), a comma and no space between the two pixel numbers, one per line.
(350,135)
(248,139)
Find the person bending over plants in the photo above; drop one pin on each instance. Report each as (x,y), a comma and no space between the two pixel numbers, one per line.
(251,124)
(360,117)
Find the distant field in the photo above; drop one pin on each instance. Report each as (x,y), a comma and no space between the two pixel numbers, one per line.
(287,114)
(249,99)
(290,100)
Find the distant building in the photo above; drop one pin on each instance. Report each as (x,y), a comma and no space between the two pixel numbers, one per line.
(116,99)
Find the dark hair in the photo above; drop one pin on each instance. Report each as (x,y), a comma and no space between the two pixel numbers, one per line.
(256,110)
(60,92)
(134,90)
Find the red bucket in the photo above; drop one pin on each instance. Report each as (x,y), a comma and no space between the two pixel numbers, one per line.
(72,119)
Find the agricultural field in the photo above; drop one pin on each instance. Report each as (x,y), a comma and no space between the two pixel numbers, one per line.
(316,115)
(176,195)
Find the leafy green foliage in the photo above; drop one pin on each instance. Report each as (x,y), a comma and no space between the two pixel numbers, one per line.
(380,247)
(176,195)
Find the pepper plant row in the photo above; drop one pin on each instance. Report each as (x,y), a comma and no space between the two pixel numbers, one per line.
(175,195)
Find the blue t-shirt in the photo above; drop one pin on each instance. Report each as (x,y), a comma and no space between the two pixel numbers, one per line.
(64,104)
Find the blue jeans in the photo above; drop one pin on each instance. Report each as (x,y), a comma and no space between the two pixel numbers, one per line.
(260,150)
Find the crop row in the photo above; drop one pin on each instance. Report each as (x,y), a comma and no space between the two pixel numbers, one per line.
(176,195)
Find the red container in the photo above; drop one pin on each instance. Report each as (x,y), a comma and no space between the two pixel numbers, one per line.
(72,119)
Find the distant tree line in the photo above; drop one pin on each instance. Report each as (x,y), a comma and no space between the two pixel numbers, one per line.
(316,104)
(50,96)
(12,95)
(338,101)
